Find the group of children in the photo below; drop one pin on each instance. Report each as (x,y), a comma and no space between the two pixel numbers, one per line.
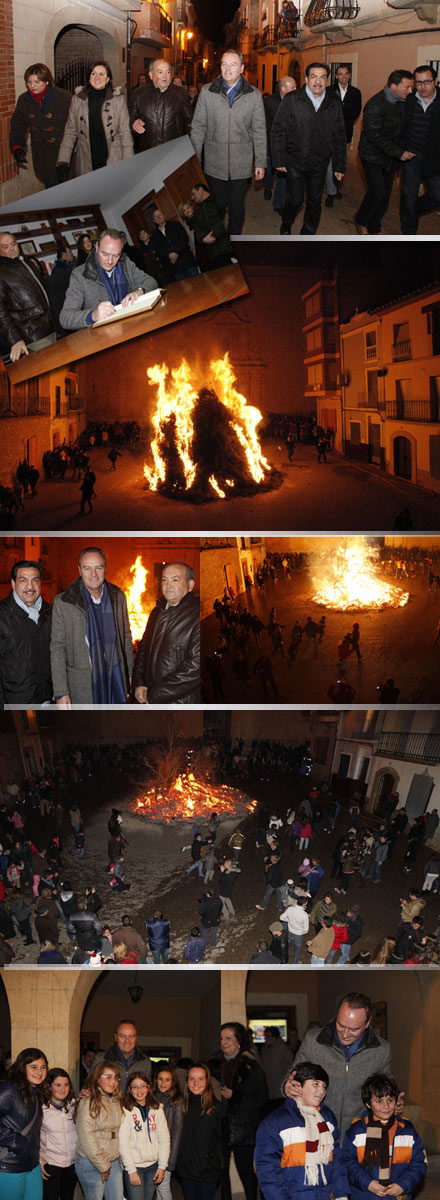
(299,1153)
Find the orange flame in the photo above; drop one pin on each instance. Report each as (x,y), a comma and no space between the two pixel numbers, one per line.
(350,580)
(137,612)
(176,398)
(189,797)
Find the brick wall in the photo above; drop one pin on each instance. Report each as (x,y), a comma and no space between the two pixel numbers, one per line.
(76,43)
(8,168)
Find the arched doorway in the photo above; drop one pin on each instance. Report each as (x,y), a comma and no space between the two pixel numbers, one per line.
(384,785)
(402,458)
(76,47)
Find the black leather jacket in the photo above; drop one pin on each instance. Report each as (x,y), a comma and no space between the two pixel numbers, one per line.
(242,1113)
(166,115)
(19,1130)
(168,659)
(86,928)
(24,654)
(24,307)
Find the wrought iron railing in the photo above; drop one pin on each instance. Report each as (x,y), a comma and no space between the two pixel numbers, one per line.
(371,352)
(272,34)
(414,410)
(401,351)
(414,747)
(25,406)
(75,74)
(320,12)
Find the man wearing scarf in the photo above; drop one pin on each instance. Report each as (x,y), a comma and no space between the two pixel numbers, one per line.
(297,1150)
(91,647)
(102,282)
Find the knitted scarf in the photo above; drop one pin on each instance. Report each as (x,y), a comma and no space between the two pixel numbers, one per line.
(377,1146)
(319,1145)
(101,638)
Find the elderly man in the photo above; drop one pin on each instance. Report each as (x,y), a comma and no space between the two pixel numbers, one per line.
(160,112)
(102,282)
(24,639)
(25,317)
(229,127)
(271,105)
(307,132)
(167,665)
(350,1051)
(126,1053)
(91,648)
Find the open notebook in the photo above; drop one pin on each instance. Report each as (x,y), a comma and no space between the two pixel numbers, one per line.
(143,304)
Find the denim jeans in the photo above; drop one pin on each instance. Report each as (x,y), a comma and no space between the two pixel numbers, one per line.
(199,864)
(206,931)
(148,1187)
(159,956)
(267,895)
(91,1180)
(345,953)
(317,961)
(296,940)
(163,1190)
(375,870)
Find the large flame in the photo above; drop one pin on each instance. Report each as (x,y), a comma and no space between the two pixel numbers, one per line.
(188,797)
(177,394)
(349,579)
(137,612)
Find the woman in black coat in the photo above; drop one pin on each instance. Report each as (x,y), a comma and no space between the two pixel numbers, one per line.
(199,1157)
(42,112)
(244,1094)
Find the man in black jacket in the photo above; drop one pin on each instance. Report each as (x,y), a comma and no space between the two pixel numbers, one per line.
(210,908)
(25,620)
(382,147)
(160,112)
(25,317)
(167,665)
(307,132)
(351,100)
(271,105)
(85,927)
(274,879)
(170,243)
(209,229)
(423,112)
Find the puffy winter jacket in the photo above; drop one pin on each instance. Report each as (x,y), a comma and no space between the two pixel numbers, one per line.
(19,1130)
(85,927)
(280,1155)
(24,306)
(407,1158)
(98,1137)
(24,654)
(166,115)
(158,933)
(59,1136)
(168,659)
(143,1143)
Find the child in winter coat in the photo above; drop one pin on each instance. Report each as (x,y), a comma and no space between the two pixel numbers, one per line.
(297,1152)
(144,1140)
(381,1150)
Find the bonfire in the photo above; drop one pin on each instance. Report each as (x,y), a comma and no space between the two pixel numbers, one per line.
(187,798)
(348,579)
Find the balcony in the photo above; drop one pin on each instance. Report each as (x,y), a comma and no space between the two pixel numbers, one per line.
(327,12)
(25,406)
(427,411)
(273,34)
(413,747)
(371,352)
(401,351)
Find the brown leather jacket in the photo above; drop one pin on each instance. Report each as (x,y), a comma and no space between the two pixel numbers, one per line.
(166,115)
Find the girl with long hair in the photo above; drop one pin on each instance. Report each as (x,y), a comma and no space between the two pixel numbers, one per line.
(144,1139)
(21,1099)
(199,1157)
(168,1093)
(58,1138)
(98,1119)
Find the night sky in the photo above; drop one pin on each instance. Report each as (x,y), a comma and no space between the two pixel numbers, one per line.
(212,15)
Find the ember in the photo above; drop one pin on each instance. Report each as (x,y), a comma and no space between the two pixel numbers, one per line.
(205,440)
(138,613)
(348,579)
(188,798)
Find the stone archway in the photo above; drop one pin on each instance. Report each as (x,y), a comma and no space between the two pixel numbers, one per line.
(76,48)
(385,780)
(110,34)
(46,1009)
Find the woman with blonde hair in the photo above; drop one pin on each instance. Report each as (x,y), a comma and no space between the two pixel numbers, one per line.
(98,1118)
(199,1158)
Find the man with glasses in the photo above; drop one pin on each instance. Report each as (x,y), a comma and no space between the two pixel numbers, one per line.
(424,141)
(25,318)
(91,648)
(102,282)
(349,1050)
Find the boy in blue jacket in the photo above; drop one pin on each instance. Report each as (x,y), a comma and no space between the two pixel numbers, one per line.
(383,1154)
(298,1154)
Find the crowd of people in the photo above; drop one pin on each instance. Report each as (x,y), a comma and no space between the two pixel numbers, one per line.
(316,856)
(319,1117)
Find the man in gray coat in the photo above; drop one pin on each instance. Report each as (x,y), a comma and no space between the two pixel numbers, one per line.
(102,282)
(350,1051)
(126,1053)
(229,126)
(91,648)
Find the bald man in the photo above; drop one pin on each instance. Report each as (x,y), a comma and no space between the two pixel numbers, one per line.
(271,105)
(167,665)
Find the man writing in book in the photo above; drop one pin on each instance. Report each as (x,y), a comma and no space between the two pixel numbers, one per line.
(107,278)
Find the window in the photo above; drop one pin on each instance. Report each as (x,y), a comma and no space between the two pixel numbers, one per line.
(313,304)
(313,340)
(372,388)
(57,401)
(314,375)
(370,344)
(355,432)
(344,763)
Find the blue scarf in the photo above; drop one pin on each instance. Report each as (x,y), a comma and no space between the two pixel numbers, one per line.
(107,681)
(115,282)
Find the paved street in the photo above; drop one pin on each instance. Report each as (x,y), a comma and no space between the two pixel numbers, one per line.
(340,495)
